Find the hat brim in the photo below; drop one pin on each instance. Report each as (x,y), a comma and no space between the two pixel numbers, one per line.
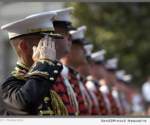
(54,35)
(63,24)
(70,27)
(78,41)
(51,34)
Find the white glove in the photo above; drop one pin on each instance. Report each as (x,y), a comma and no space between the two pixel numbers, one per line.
(44,50)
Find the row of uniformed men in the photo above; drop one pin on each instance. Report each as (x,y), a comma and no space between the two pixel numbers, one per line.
(57,73)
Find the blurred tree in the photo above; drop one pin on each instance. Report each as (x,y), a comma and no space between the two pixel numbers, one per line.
(123,29)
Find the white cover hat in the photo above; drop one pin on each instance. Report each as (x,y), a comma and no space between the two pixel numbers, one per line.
(79,33)
(112,63)
(127,78)
(98,56)
(120,74)
(64,14)
(41,22)
(88,49)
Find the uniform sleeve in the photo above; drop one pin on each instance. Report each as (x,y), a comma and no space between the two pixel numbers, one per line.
(24,96)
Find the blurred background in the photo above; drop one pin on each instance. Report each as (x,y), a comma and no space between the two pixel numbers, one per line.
(123,29)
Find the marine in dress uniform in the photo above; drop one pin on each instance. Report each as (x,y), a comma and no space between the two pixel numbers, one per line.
(27,91)
(124,79)
(62,24)
(93,84)
(98,73)
(111,67)
(81,65)
(74,77)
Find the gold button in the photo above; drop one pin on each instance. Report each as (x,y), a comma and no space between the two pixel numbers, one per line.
(51,78)
(58,64)
(55,71)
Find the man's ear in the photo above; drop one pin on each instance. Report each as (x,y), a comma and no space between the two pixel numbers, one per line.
(23,46)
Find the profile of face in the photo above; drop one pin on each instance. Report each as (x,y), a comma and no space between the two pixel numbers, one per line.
(77,59)
(84,69)
(98,71)
(77,56)
(63,45)
(25,50)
